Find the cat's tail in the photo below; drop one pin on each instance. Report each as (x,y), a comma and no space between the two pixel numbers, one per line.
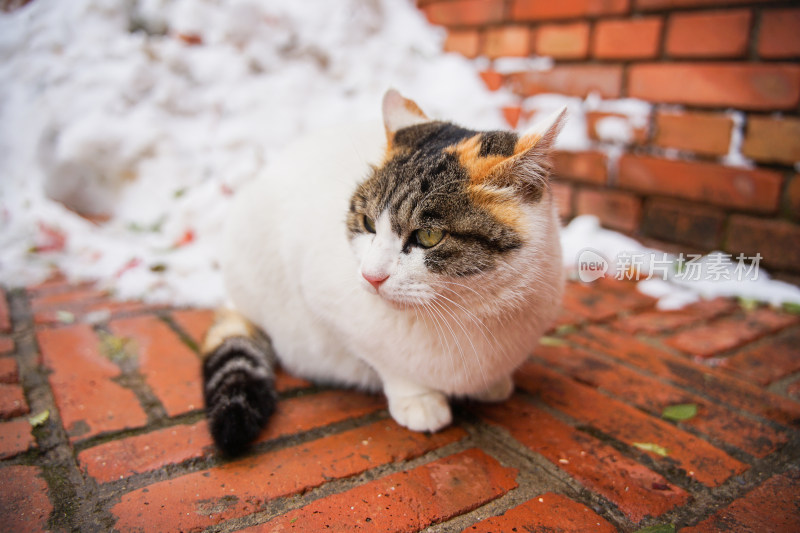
(238,381)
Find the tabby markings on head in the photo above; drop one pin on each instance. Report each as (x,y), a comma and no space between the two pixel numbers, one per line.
(439,175)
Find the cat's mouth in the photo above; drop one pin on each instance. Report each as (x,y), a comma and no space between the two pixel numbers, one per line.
(401,300)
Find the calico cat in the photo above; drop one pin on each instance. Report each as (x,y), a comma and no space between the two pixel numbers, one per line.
(417,258)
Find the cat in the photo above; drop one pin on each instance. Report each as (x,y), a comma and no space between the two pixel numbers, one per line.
(414,257)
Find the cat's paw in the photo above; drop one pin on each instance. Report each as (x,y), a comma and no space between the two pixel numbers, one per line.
(499,391)
(422,412)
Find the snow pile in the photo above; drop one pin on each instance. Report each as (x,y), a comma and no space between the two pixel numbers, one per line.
(591,251)
(152,112)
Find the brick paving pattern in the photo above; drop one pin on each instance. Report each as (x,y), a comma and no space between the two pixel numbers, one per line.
(101,428)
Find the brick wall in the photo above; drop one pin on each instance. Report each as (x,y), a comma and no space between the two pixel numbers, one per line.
(723,79)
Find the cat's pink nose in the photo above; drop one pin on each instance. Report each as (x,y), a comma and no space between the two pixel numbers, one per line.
(375,279)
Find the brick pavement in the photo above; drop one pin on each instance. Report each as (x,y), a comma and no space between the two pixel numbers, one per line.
(101,427)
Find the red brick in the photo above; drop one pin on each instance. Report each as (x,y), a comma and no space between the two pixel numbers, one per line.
(594,127)
(562,41)
(616,209)
(502,41)
(194,322)
(683,222)
(492,79)
(598,466)
(652,396)
(6,345)
(151,451)
(537,10)
(121,458)
(553,513)
(204,498)
(703,462)
(15,438)
(512,114)
(769,361)
(771,507)
(24,505)
(775,240)
(5,316)
(753,86)
(12,401)
(792,197)
(637,38)
(170,368)
(778,37)
(703,133)
(572,80)
(669,4)
(728,333)
(793,390)
(448,487)
(55,283)
(88,399)
(464,12)
(773,140)
(658,322)
(464,42)
(9,371)
(602,301)
(710,382)
(708,34)
(589,167)
(62,300)
(563,193)
(91,311)
(754,190)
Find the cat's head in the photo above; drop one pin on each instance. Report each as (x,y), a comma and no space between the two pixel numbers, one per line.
(449,209)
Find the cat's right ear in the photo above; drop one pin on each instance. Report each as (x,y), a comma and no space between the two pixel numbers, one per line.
(399,113)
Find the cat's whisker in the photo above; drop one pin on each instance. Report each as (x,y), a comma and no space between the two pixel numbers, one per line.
(460,324)
(436,307)
(501,347)
(441,336)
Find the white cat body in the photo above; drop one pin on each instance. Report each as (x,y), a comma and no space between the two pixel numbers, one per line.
(290,269)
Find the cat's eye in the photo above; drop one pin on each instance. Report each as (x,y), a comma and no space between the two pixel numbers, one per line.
(369,224)
(428,238)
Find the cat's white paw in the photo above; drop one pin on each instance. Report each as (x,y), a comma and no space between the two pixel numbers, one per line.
(422,412)
(498,391)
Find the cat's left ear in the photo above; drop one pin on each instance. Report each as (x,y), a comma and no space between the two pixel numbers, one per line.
(528,170)
(399,113)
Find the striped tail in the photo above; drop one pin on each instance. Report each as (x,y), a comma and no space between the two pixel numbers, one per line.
(238,381)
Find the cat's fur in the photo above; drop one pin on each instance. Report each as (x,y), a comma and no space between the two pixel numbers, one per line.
(344,305)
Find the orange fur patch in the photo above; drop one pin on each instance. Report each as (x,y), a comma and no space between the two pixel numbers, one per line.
(478,168)
(503,206)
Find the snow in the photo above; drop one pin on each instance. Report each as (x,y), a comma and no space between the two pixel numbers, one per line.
(675,280)
(149,115)
(154,134)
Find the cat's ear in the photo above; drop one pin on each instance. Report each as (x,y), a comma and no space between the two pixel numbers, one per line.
(528,169)
(399,113)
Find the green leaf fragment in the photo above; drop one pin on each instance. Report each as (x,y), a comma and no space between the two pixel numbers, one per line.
(683,411)
(40,418)
(565,329)
(552,341)
(659,528)
(791,307)
(115,348)
(65,317)
(748,304)
(651,447)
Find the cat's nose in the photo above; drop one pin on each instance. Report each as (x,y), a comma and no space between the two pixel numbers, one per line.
(375,279)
